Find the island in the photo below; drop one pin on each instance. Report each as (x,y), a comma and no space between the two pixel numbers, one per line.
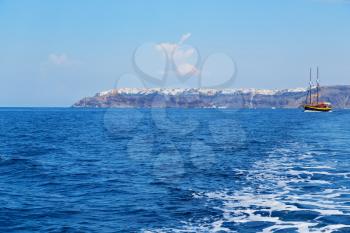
(339,96)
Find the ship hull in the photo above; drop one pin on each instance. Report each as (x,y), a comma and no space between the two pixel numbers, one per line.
(310,108)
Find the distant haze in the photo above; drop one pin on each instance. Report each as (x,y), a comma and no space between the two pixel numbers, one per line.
(54,53)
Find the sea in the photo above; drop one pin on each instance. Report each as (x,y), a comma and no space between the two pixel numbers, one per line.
(174,170)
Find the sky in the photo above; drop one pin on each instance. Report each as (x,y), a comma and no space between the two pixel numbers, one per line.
(52,53)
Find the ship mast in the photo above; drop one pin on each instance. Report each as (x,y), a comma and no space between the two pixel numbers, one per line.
(318,87)
(310,90)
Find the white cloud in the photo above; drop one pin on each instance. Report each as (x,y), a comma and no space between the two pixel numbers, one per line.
(61,60)
(182,53)
(183,57)
(169,47)
(187,69)
(56,61)
(184,38)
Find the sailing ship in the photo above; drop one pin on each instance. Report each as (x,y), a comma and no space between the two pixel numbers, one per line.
(312,105)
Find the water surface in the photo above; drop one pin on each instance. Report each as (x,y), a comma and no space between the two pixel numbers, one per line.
(175,170)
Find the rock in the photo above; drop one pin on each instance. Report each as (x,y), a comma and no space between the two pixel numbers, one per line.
(339,96)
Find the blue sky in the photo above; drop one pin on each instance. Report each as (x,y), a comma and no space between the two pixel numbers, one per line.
(52,53)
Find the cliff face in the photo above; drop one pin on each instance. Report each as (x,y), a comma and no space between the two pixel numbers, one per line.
(339,96)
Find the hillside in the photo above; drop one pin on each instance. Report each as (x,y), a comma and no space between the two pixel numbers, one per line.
(339,96)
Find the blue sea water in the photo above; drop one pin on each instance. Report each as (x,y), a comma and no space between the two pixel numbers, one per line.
(174,170)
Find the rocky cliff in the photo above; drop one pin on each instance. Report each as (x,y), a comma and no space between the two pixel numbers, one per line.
(339,96)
